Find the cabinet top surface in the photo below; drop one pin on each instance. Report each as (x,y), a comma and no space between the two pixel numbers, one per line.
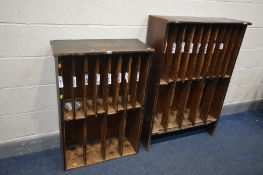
(98,46)
(189,19)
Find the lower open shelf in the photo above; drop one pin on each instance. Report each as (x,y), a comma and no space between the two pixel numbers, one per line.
(93,153)
(74,157)
(172,124)
(112,151)
(128,148)
(101,138)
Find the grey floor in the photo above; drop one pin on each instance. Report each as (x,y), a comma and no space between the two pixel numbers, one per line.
(236,148)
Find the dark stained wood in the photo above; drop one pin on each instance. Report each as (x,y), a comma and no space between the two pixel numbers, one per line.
(194,102)
(229,49)
(110,89)
(185,58)
(180,116)
(217,51)
(178,53)
(169,51)
(207,98)
(235,51)
(98,46)
(203,52)
(194,54)
(210,51)
(160,34)
(223,51)
(200,20)
(191,69)
(167,105)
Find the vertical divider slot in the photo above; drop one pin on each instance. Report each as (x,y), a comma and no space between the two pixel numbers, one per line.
(172,122)
(73,143)
(194,102)
(181,115)
(73,86)
(223,51)
(160,108)
(125,80)
(101,82)
(85,69)
(86,87)
(112,83)
(169,52)
(132,132)
(114,135)
(122,83)
(66,65)
(94,146)
(94,91)
(235,51)
(202,50)
(180,48)
(117,77)
(218,99)
(229,48)
(90,85)
(106,85)
(219,44)
(209,51)
(134,79)
(143,77)
(193,55)
(79,89)
(207,98)
(189,35)
(169,93)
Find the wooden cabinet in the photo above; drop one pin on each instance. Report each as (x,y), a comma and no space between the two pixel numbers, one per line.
(191,69)
(101,89)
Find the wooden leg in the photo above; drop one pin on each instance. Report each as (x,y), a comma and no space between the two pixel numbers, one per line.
(211,128)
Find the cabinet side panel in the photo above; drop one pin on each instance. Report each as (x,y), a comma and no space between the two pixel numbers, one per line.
(60,112)
(156,38)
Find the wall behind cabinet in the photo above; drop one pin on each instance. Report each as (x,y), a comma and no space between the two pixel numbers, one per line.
(28,106)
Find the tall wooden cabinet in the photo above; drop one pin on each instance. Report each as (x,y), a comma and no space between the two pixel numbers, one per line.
(191,69)
(101,88)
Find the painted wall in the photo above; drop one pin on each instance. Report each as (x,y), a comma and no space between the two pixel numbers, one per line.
(27,77)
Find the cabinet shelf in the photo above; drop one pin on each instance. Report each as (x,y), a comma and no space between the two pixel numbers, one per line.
(192,66)
(101,89)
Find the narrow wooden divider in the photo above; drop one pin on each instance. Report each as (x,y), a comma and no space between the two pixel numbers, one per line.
(229,48)
(170,50)
(180,47)
(208,95)
(235,50)
(210,51)
(186,52)
(78,90)
(202,51)
(194,102)
(219,45)
(194,53)
(223,52)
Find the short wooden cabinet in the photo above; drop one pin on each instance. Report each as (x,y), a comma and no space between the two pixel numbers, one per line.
(101,89)
(191,69)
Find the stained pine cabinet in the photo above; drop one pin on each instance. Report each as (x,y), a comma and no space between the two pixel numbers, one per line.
(191,69)
(101,94)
